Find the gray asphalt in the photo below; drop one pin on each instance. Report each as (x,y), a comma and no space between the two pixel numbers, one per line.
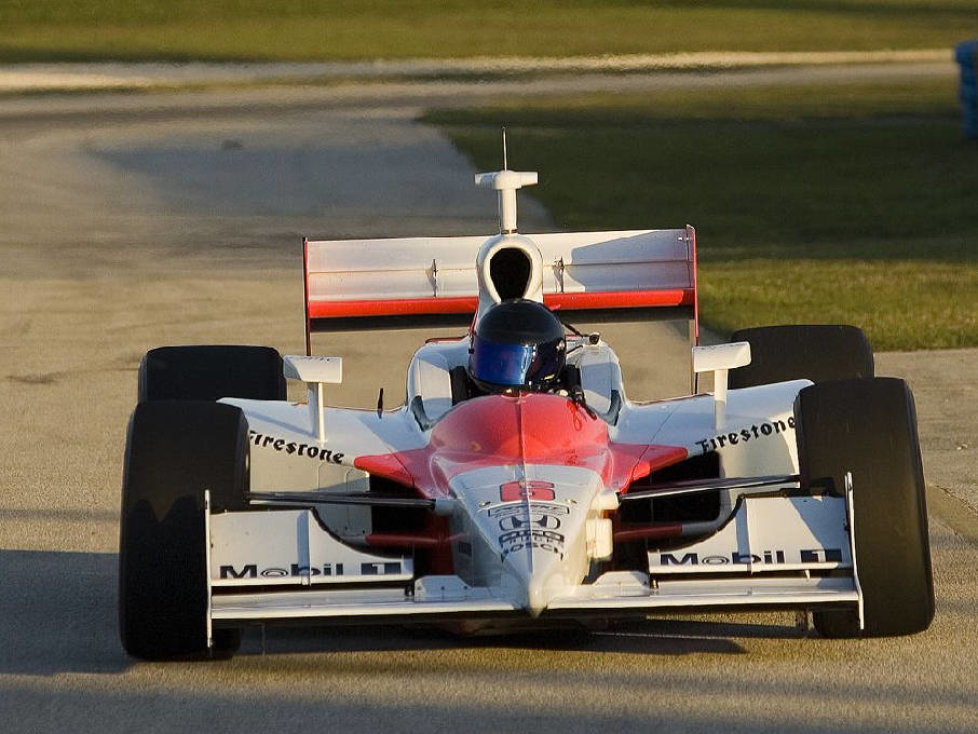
(126,229)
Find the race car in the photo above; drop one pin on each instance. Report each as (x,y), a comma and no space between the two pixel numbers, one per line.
(518,486)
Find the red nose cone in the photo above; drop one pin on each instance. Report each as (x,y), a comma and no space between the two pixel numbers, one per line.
(507,430)
(531,427)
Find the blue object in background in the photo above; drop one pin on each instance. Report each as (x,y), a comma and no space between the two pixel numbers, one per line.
(966,54)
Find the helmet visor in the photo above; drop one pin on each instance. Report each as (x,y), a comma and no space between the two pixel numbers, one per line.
(500,364)
(512,365)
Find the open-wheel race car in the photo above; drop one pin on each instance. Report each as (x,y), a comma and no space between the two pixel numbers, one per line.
(518,485)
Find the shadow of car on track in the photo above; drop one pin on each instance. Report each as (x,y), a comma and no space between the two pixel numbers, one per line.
(58,613)
(650,638)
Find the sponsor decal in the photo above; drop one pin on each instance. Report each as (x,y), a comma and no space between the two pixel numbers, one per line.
(533,523)
(251,571)
(822,555)
(754,433)
(522,489)
(294,448)
(534,508)
(767,557)
(254,571)
(515,522)
(517,540)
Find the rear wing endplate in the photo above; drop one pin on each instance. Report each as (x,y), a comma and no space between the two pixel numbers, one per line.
(391,283)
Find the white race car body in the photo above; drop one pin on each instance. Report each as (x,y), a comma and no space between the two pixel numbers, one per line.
(526,489)
(513,508)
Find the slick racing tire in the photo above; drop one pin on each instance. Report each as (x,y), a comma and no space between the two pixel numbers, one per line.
(869,428)
(175,450)
(814,352)
(211,373)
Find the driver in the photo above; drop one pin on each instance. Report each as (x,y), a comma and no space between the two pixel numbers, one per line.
(518,345)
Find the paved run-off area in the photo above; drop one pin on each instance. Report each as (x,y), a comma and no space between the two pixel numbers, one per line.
(131,223)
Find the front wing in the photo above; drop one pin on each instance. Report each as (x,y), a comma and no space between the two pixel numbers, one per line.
(774,552)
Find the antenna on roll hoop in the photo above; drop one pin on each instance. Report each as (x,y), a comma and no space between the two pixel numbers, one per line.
(506,182)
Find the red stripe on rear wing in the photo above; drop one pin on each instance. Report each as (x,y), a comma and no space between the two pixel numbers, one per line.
(392,282)
(431,306)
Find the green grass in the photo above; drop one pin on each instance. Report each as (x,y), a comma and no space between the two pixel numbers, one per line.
(812,204)
(355,29)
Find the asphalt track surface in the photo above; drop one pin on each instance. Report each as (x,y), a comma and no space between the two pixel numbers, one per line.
(131,223)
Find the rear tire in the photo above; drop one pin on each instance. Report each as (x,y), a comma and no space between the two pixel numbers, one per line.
(175,450)
(814,352)
(869,428)
(211,373)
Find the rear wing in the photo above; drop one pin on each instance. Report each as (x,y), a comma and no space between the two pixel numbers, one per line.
(391,283)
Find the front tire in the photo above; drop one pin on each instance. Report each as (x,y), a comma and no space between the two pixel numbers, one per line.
(175,450)
(869,428)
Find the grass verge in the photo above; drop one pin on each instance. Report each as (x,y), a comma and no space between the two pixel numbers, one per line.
(58,30)
(849,204)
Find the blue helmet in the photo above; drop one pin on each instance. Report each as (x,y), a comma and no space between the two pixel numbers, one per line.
(517,344)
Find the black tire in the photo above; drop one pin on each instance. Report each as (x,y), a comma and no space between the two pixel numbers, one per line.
(174,451)
(869,428)
(211,373)
(815,352)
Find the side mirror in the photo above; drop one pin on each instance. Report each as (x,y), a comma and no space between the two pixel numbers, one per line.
(719,360)
(315,372)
